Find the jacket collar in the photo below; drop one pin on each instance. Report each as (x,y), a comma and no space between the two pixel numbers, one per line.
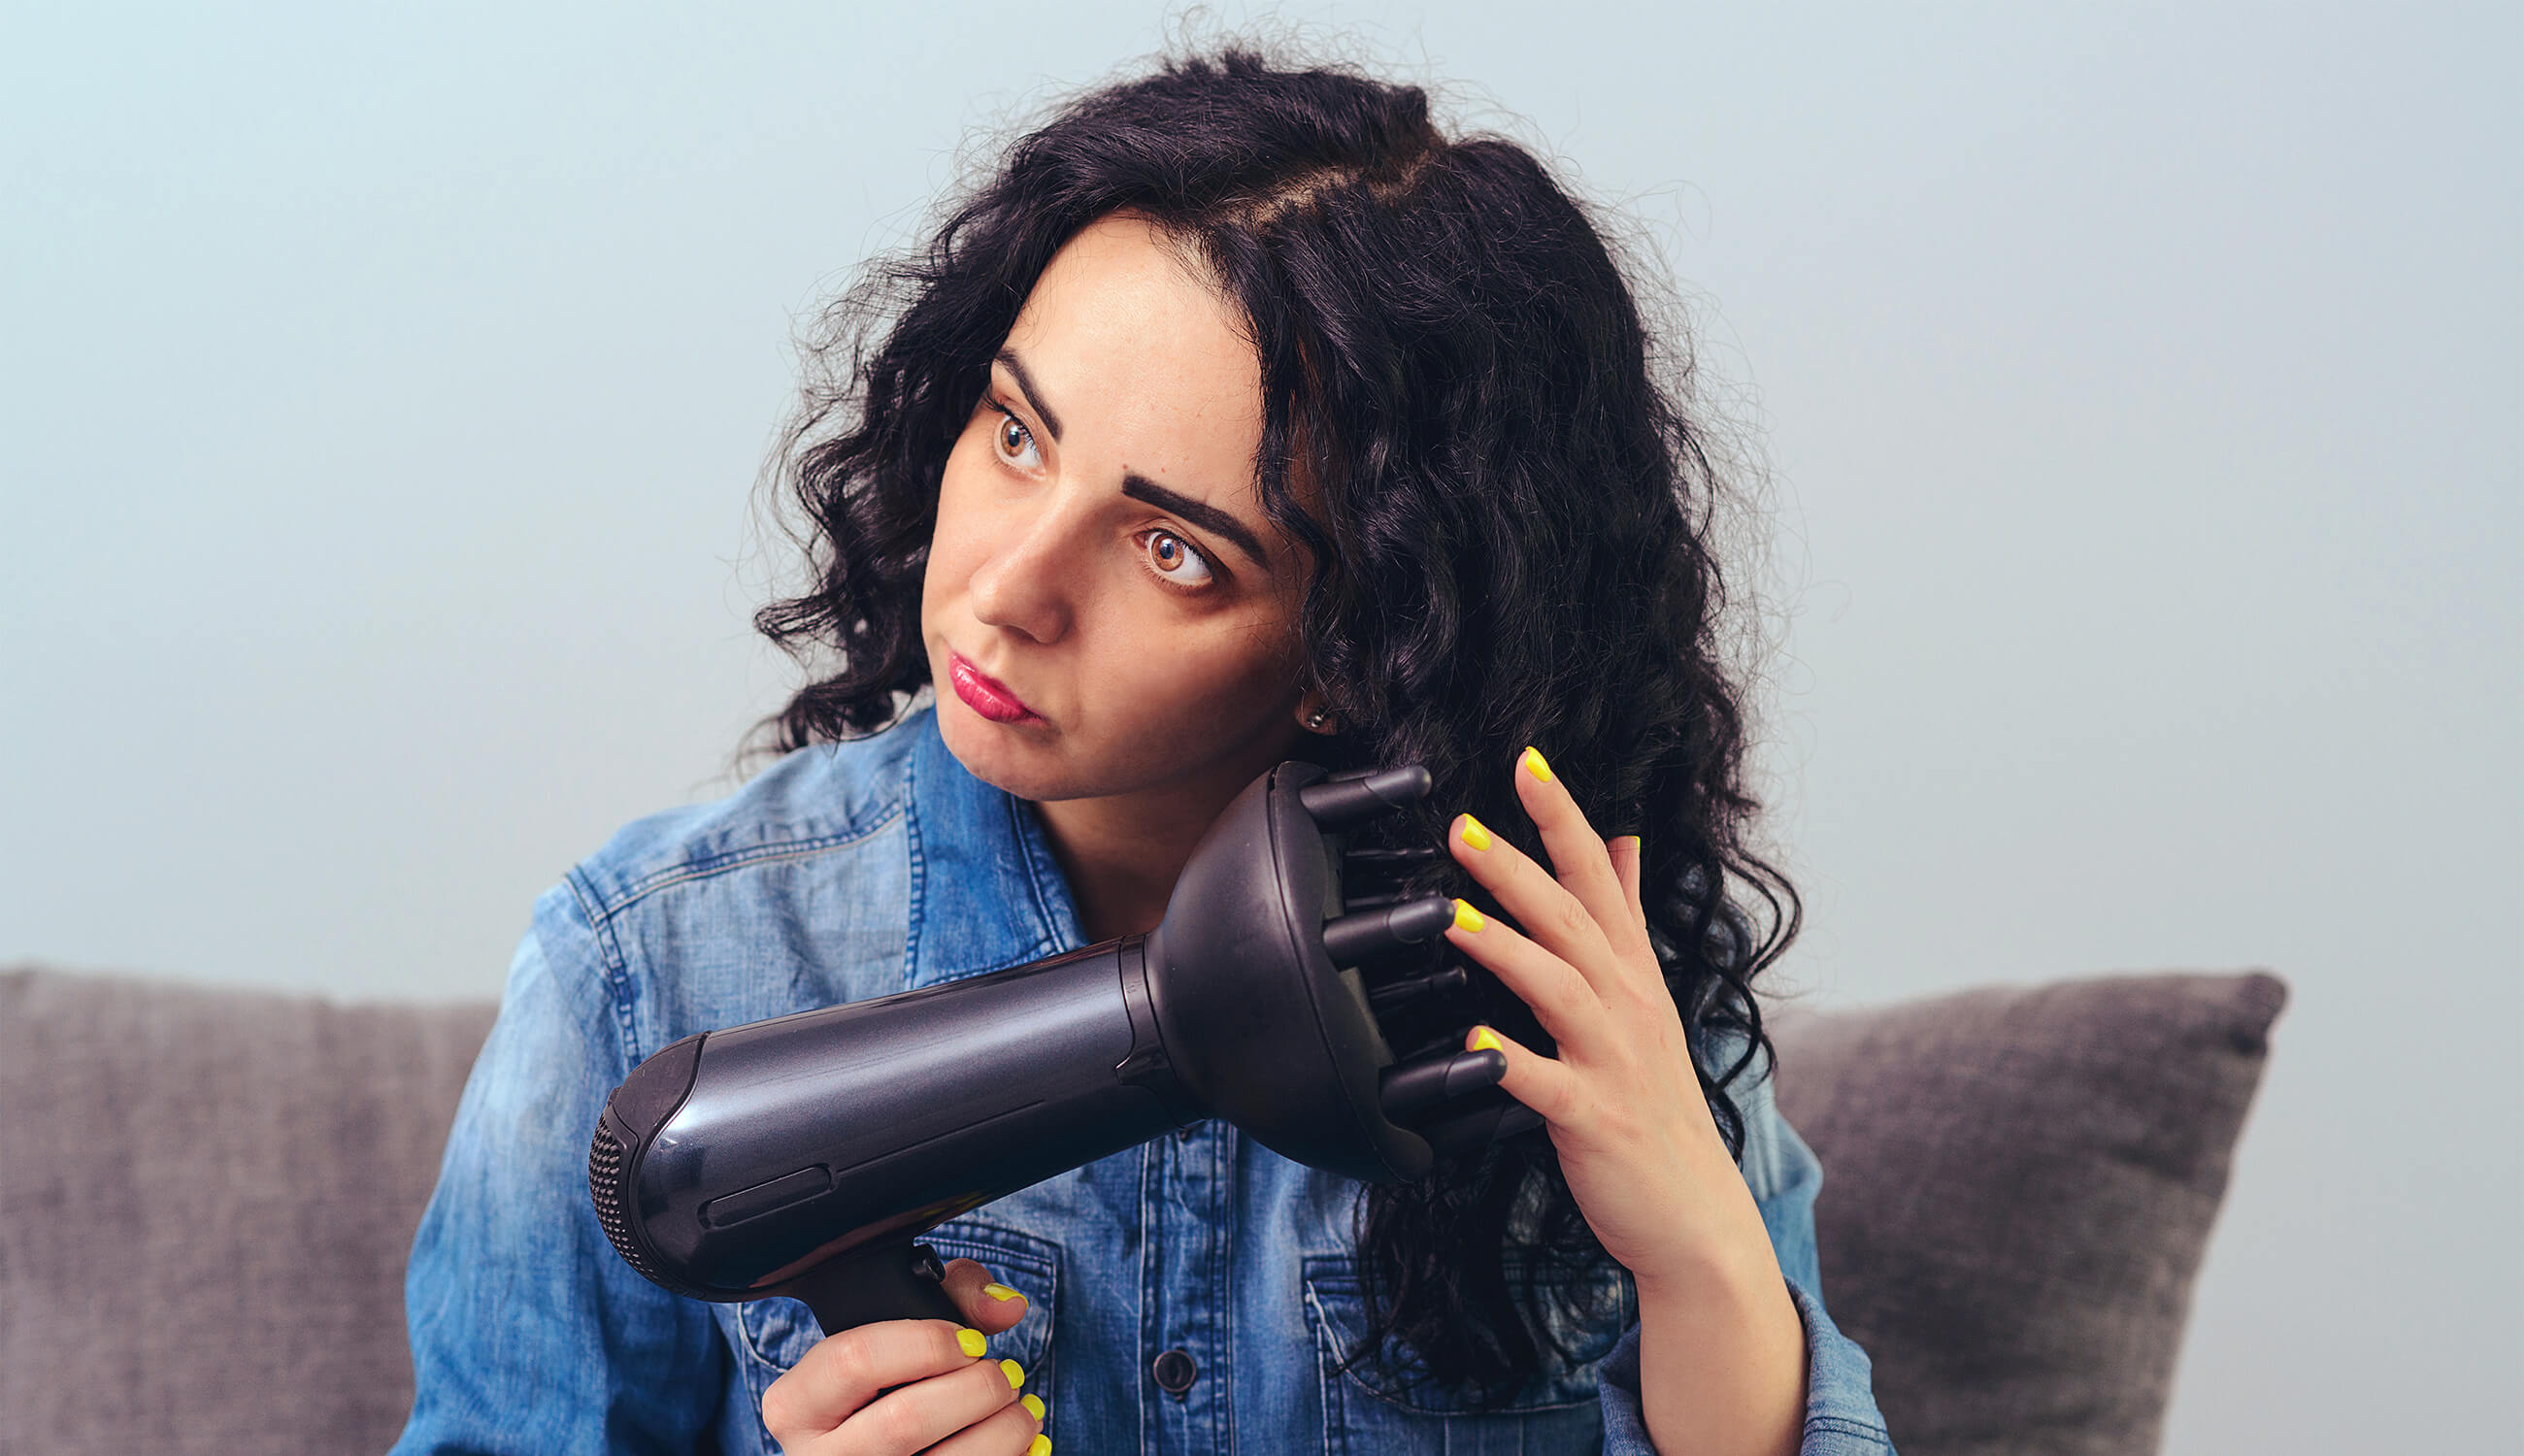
(986,892)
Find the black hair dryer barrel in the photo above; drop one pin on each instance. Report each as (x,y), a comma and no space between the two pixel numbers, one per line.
(805,1156)
(802,1155)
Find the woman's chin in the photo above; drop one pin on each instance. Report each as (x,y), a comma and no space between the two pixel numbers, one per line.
(1019,760)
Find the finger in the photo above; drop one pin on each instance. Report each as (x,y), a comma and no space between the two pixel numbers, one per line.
(987,1305)
(1543,907)
(918,1416)
(1562,1000)
(1017,1428)
(1579,859)
(1540,1082)
(1625,850)
(842,1373)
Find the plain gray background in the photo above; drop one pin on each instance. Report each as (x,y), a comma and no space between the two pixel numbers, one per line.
(2137,390)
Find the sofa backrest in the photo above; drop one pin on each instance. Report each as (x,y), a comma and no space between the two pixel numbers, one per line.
(208,1197)
(2019,1184)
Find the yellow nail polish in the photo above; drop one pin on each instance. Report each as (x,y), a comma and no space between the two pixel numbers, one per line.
(1467,918)
(1534,765)
(1042,1445)
(1475,835)
(1014,1372)
(970,1341)
(1484,1040)
(1000,1292)
(1033,1405)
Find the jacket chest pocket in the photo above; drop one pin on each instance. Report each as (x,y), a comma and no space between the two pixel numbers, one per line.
(1368,1412)
(774,1334)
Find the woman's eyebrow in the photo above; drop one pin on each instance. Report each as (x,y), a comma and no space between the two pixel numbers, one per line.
(1208,518)
(1025,386)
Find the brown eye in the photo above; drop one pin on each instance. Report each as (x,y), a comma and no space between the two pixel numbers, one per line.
(1013,441)
(1173,558)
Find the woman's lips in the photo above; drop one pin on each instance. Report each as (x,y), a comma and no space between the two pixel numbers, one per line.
(987,695)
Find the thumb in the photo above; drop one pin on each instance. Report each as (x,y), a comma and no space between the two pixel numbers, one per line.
(987,1305)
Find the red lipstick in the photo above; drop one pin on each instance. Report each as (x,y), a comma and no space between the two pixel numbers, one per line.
(985,694)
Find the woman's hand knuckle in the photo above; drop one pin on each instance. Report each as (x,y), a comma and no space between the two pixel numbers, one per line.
(893,1424)
(848,1360)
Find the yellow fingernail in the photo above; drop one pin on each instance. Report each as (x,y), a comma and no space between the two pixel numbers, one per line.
(1484,1040)
(1534,765)
(1468,918)
(1042,1445)
(1014,1372)
(1475,835)
(1000,1292)
(1033,1405)
(1636,848)
(970,1341)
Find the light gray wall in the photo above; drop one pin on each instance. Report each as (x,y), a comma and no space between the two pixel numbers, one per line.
(383,390)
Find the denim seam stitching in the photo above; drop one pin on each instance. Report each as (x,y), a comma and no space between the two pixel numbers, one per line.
(1327,1376)
(1150,1241)
(1048,941)
(1327,1331)
(711,867)
(1222,1175)
(617,967)
(917,880)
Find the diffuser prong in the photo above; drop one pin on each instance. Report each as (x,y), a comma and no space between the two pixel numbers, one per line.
(1355,938)
(1338,803)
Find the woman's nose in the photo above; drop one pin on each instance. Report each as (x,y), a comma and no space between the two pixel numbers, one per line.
(1029,581)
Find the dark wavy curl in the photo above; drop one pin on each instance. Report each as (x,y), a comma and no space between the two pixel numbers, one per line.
(1510,546)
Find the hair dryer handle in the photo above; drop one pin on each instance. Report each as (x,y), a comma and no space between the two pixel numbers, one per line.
(896,1280)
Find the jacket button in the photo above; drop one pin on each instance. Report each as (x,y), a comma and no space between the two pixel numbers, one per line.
(1175,1372)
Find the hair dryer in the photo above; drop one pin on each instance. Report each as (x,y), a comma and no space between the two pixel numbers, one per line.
(805,1156)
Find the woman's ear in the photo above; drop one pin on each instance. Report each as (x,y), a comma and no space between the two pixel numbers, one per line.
(1314,717)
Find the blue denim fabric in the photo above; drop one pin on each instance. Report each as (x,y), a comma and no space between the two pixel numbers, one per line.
(853,871)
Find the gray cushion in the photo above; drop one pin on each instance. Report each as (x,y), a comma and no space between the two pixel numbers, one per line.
(207,1199)
(2017,1188)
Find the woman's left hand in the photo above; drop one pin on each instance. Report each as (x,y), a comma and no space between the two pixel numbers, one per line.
(1642,1155)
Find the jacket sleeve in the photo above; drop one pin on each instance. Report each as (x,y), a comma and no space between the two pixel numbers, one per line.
(529,1334)
(1841,1418)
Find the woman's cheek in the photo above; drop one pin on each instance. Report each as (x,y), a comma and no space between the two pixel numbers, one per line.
(1181,700)
(952,555)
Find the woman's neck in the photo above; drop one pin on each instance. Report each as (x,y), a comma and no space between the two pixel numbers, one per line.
(1121,856)
(1122,852)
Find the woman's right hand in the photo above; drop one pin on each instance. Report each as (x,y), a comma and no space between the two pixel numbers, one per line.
(900,1386)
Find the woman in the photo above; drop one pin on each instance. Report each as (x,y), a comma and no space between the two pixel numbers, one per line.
(1238,417)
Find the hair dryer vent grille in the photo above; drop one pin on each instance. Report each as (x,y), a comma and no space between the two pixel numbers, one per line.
(604,1181)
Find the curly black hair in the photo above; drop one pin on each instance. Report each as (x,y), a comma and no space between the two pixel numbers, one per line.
(1511,543)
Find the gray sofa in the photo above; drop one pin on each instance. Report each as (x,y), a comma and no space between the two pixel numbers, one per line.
(207,1197)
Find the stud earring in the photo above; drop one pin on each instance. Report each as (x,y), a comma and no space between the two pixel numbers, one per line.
(1317,719)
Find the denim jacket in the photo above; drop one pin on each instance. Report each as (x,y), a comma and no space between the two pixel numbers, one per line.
(856,870)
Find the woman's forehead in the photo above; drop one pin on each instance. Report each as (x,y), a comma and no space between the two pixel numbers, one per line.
(1121,304)
(1135,362)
